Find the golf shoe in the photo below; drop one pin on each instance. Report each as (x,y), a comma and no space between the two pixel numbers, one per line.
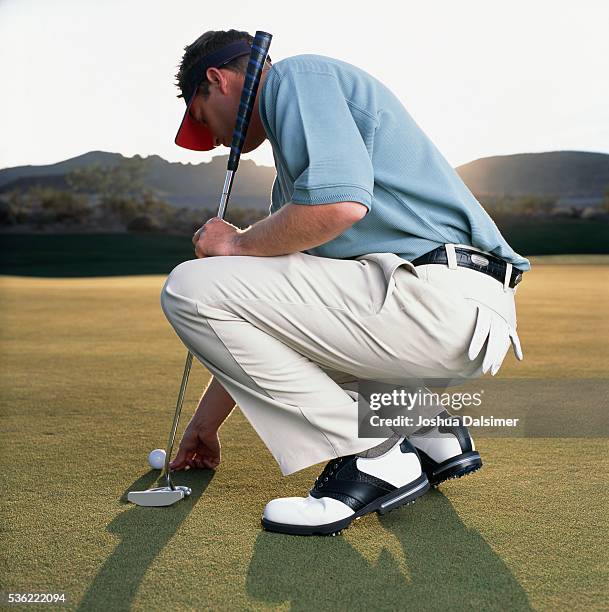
(347,489)
(446,451)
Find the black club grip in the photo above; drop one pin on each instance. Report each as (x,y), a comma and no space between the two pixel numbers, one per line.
(260,49)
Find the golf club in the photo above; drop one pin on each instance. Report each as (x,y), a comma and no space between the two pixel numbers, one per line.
(168,494)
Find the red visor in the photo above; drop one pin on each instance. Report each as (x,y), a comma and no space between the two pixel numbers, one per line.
(193,135)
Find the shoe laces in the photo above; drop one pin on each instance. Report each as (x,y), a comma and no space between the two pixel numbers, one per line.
(327,473)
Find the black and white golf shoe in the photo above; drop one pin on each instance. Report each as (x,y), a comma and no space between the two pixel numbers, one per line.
(348,488)
(446,451)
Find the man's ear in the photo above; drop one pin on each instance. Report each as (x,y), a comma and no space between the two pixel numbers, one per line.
(218,79)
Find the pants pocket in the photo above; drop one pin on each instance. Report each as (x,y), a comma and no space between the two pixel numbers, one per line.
(388,263)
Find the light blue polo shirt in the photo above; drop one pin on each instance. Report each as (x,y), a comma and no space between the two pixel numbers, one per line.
(339,135)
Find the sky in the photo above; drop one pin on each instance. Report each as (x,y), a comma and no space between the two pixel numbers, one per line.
(480,77)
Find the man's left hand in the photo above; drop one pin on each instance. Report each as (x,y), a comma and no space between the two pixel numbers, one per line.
(216,237)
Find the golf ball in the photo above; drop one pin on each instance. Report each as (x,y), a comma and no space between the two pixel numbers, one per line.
(156,459)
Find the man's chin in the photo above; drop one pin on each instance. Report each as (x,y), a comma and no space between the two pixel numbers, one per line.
(250,146)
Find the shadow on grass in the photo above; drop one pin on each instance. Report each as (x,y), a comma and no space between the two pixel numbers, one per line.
(144,533)
(448,567)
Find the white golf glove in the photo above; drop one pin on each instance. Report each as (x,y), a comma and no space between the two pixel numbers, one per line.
(491,326)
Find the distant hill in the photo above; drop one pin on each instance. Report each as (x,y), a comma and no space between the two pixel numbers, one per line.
(8,175)
(190,185)
(572,177)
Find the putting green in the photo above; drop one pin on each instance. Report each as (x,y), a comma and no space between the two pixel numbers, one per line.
(90,371)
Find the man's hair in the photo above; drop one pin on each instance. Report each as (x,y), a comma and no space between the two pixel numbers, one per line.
(204,45)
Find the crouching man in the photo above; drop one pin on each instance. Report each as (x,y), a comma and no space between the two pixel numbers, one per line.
(376,263)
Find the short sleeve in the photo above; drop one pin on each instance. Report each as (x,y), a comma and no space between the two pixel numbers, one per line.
(320,142)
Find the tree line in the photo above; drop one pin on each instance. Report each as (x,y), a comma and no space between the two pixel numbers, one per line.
(107,198)
(116,199)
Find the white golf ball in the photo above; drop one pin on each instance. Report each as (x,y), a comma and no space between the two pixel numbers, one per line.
(156,459)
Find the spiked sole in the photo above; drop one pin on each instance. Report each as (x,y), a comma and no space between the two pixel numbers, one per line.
(400,497)
(455,467)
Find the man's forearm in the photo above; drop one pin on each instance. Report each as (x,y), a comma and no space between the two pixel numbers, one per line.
(214,407)
(297,227)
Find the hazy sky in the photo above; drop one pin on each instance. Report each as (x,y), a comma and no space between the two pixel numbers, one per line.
(480,77)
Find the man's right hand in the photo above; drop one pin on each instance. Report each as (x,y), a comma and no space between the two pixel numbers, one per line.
(199,448)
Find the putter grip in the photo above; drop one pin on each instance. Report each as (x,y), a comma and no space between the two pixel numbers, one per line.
(260,49)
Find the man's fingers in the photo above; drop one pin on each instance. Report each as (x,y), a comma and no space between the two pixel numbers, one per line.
(211,463)
(197,235)
(180,462)
(199,254)
(195,460)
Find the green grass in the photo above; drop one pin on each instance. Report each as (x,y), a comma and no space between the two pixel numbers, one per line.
(90,370)
(588,260)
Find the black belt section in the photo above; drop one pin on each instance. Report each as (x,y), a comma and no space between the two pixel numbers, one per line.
(487,264)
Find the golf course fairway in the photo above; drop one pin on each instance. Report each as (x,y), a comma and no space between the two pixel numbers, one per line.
(90,371)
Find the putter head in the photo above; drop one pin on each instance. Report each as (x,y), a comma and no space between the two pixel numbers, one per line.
(159,496)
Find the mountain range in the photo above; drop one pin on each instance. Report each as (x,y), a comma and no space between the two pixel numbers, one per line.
(574,178)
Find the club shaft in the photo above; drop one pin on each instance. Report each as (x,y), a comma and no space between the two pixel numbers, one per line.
(176,418)
(259,52)
(228,185)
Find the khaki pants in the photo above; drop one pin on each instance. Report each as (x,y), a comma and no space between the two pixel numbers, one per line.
(286,335)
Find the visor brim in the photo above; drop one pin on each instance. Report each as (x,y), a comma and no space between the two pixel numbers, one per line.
(192,135)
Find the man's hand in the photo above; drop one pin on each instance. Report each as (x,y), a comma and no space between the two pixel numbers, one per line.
(199,448)
(216,237)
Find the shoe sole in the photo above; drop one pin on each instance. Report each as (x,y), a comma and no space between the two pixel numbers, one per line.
(400,497)
(455,467)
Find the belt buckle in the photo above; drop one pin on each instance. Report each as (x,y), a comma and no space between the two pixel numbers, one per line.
(479,260)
